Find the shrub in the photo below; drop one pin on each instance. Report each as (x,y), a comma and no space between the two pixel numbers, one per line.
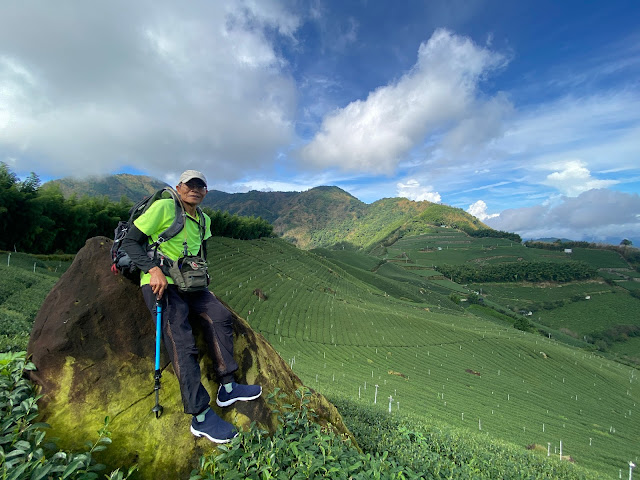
(299,448)
(523,324)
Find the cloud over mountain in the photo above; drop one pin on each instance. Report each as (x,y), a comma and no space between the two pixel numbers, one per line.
(594,215)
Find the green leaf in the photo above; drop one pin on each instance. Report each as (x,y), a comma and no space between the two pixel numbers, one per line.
(41,471)
(72,467)
(15,475)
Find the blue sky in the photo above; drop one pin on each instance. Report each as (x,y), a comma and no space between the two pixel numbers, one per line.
(524,113)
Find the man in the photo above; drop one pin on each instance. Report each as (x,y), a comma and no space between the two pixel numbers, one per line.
(177,306)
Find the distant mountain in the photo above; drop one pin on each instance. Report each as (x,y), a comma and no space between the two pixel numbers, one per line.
(134,187)
(320,217)
(267,205)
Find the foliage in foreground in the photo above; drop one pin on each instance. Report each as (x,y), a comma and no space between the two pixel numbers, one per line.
(438,452)
(302,449)
(299,448)
(23,451)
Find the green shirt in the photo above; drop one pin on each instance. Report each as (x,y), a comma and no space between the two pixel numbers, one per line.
(158,218)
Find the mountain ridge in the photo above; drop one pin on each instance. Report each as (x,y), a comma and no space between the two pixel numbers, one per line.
(319,217)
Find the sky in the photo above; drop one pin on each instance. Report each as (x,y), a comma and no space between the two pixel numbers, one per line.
(524,113)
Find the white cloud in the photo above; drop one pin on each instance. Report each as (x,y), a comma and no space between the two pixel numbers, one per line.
(479,210)
(270,186)
(156,86)
(439,92)
(414,191)
(595,215)
(575,178)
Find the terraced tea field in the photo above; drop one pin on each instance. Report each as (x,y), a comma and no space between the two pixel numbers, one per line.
(24,282)
(407,347)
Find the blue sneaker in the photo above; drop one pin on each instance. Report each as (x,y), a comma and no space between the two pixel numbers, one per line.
(238,392)
(214,428)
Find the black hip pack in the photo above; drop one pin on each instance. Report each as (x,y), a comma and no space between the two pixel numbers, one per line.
(190,273)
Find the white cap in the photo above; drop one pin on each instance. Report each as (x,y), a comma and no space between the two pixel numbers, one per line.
(190,174)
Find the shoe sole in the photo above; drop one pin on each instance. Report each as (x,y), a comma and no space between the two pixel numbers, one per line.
(199,434)
(237,399)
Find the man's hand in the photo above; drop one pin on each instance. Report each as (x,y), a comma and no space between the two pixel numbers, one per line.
(158,281)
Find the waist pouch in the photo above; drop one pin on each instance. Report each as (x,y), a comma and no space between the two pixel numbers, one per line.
(190,274)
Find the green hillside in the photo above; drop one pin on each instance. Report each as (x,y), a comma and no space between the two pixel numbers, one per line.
(319,217)
(25,280)
(267,205)
(133,187)
(468,368)
(465,388)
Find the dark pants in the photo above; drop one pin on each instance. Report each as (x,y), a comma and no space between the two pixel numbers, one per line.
(216,322)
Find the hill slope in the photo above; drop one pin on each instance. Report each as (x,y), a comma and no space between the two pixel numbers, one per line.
(368,337)
(383,337)
(320,217)
(133,187)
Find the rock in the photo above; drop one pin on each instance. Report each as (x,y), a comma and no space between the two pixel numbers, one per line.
(93,343)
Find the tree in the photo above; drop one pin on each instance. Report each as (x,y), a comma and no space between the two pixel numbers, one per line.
(626,242)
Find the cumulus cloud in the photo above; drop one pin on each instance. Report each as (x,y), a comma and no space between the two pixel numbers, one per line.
(414,191)
(479,210)
(157,86)
(594,215)
(575,178)
(439,92)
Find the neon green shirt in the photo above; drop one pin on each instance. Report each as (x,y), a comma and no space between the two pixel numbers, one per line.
(158,218)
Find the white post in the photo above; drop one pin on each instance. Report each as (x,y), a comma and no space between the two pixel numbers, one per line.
(34,267)
(548,449)
(375,396)
(359,392)
(390,400)
(560,449)
(631,467)
(8,258)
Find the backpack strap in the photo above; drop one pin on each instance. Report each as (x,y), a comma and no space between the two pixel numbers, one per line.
(202,225)
(178,221)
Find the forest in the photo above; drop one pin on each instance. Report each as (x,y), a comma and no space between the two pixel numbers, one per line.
(41,220)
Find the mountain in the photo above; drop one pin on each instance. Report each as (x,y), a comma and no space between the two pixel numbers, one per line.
(267,205)
(320,217)
(133,187)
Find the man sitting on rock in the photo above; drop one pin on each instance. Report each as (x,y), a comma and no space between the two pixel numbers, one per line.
(177,305)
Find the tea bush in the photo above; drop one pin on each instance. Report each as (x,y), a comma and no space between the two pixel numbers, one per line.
(299,449)
(397,447)
(433,452)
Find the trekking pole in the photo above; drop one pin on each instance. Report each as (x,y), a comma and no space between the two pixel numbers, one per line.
(158,408)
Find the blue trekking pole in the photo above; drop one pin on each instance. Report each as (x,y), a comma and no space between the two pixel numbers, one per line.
(158,408)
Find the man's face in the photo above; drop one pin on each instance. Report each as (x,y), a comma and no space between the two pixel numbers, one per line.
(192,192)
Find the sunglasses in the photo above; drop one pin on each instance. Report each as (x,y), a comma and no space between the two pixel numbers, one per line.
(195,185)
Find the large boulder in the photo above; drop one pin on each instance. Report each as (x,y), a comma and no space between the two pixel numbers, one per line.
(93,343)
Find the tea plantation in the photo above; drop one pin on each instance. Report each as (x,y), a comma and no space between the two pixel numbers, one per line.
(428,383)
(373,342)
